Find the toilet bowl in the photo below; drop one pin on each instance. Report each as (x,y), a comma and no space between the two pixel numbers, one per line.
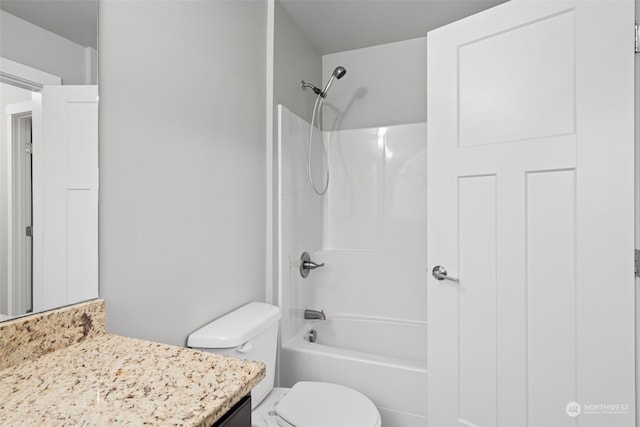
(309,406)
(251,332)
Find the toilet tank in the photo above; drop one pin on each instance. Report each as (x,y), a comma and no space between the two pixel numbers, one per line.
(250,332)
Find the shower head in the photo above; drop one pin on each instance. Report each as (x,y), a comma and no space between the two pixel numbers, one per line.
(338,73)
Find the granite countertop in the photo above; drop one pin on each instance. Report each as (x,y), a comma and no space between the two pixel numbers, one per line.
(114,380)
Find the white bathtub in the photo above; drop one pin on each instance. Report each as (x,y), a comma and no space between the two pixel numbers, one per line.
(384,359)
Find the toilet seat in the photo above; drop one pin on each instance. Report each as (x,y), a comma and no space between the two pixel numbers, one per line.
(317,404)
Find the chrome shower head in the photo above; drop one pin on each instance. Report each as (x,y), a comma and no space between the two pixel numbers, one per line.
(338,73)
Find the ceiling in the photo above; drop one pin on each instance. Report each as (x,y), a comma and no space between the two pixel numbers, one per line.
(76,20)
(330,25)
(339,25)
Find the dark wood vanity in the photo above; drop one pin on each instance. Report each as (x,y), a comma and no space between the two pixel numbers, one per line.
(238,416)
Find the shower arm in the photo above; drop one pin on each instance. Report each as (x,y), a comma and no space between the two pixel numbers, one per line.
(338,73)
(315,89)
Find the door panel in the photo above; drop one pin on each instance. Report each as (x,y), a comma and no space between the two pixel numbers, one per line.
(66,192)
(500,77)
(530,187)
(477,304)
(551,295)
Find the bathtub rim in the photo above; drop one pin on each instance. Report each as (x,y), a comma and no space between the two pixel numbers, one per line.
(351,316)
(298,343)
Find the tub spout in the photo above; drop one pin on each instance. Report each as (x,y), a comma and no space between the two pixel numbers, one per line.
(314,315)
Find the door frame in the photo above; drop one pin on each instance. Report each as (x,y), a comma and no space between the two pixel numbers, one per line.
(637,212)
(25,77)
(16,265)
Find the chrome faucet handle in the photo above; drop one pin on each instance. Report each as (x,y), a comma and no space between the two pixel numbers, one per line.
(306,265)
(311,265)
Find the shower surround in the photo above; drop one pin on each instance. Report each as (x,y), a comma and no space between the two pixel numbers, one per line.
(370,231)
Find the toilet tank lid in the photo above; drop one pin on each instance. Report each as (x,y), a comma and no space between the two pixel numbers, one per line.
(235,328)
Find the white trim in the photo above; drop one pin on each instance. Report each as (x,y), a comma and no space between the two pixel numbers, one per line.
(87,65)
(29,78)
(637,213)
(14,264)
(38,196)
(9,236)
(25,77)
(19,108)
(269,151)
(280,255)
(90,66)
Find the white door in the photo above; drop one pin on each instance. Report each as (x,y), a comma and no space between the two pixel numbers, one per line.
(530,187)
(65,157)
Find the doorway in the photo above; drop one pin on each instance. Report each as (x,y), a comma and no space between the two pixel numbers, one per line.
(22,214)
(16,196)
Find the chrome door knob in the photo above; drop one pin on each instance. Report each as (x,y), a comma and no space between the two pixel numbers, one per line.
(440,273)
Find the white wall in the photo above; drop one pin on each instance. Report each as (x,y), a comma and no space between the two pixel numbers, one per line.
(182,163)
(43,50)
(384,85)
(8,95)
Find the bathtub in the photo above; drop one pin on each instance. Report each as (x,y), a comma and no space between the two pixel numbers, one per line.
(384,359)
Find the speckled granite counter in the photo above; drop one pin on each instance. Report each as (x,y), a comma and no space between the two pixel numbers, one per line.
(114,380)
(29,337)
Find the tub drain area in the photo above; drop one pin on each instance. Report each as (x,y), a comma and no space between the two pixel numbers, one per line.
(311,336)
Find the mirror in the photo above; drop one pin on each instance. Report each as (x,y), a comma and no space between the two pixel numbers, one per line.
(48,154)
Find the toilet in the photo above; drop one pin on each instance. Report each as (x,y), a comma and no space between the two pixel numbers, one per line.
(251,332)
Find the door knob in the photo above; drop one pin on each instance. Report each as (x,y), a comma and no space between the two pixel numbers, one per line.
(440,273)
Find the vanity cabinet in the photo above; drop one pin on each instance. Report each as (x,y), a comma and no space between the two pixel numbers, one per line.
(238,416)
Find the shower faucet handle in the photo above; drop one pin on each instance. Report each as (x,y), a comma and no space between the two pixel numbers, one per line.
(312,265)
(306,265)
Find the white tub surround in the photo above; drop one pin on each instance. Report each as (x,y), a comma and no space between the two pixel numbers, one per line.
(370,232)
(369,229)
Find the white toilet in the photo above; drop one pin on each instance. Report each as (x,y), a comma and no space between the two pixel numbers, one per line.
(251,332)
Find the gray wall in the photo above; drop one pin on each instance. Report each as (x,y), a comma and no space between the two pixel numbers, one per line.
(295,59)
(384,85)
(43,50)
(182,163)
